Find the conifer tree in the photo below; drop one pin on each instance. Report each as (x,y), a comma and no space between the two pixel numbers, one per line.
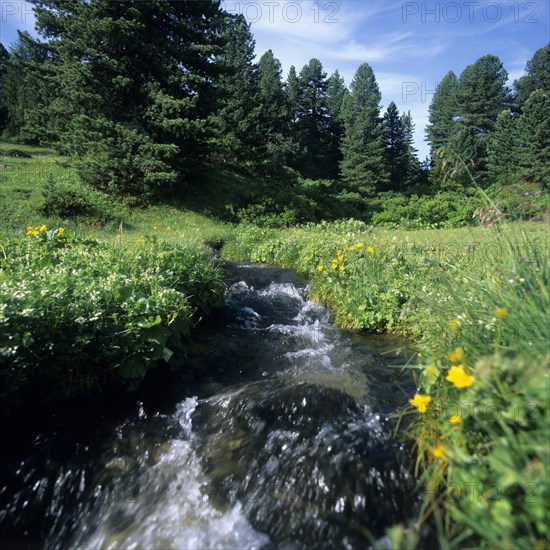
(28,92)
(4,58)
(274,109)
(535,138)
(312,125)
(363,154)
(292,91)
(503,150)
(537,76)
(336,91)
(442,111)
(237,121)
(132,80)
(481,95)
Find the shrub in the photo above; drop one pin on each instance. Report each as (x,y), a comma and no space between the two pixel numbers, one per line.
(77,315)
(66,197)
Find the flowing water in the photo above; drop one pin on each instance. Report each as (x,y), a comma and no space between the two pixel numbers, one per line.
(284,439)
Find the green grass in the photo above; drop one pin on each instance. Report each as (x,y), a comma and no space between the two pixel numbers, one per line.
(476,297)
(476,302)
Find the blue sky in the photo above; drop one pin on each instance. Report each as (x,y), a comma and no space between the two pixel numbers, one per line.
(410,45)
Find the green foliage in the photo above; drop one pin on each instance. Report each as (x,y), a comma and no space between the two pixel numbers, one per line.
(135,81)
(442,110)
(504,150)
(236,121)
(537,76)
(521,201)
(443,209)
(27,92)
(363,164)
(311,126)
(78,314)
(66,197)
(479,299)
(535,138)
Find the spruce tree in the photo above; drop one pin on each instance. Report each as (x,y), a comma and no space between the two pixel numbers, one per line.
(481,95)
(312,125)
(442,111)
(132,79)
(292,91)
(4,58)
(363,154)
(503,150)
(537,76)
(535,138)
(237,122)
(336,91)
(28,92)
(397,151)
(274,109)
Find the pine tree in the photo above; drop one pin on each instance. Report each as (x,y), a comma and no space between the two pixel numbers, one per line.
(397,150)
(132,81)
(312,124)
(4,58)
(401,162)
(443,109)
(503,150)
(237,122)
(292,91)
(274,109)
(481,95)
(336,91)
(537,76)
(28,92)
(363,154)
(535,138)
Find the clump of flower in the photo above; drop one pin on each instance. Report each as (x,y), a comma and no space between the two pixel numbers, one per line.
(458,377)
(420,402)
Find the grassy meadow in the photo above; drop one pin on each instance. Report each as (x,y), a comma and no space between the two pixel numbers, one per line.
(81,271)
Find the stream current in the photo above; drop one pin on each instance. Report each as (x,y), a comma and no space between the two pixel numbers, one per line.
(283,438)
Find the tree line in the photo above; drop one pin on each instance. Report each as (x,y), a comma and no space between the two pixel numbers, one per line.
(145,94)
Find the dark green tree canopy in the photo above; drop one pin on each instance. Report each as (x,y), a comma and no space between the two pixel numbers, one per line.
(363,152)
(537,76)
(442,111)
(134,77)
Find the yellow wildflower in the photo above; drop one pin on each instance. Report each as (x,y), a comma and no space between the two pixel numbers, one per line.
(500,312)
(338,252)
(342,268)
(457,376)
(359,245)
(32,230)
(370,249)
(334,265)
(455,419)
(43,228)
(420,402)
(340,258)
(60,231)
(320,267)
(438,451)
(456,356)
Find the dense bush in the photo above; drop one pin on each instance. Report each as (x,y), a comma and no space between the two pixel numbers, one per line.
(77,315)
(444,209)
(66,197)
